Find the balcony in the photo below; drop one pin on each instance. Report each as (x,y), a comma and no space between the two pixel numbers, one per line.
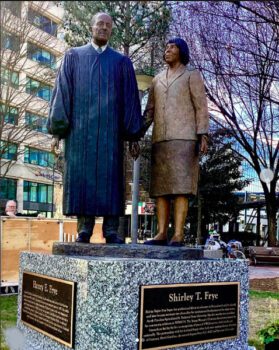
(25,30)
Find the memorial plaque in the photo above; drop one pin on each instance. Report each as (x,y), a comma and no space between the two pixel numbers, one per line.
(48,306)
(185,314)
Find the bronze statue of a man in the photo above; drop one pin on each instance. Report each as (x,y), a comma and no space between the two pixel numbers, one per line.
(95,106)
(177,105)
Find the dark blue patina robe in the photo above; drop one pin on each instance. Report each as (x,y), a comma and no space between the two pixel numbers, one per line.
(95,107)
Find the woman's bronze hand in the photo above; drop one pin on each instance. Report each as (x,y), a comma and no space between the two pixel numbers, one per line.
(203,144)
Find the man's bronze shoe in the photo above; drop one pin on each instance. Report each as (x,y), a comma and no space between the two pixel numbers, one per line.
(114,239)
(82,238)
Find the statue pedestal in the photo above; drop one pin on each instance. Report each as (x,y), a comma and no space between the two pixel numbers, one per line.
(109,295)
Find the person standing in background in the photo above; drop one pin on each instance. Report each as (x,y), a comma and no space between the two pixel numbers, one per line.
(11,208)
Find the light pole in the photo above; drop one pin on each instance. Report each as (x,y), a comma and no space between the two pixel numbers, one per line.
(56,167)
(144,82)
(53,174)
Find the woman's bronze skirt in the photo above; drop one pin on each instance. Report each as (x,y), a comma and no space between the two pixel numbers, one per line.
(174,168)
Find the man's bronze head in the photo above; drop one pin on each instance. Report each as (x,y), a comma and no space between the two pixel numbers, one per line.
(101,24)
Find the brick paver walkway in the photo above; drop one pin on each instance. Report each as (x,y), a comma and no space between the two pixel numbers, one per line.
(263,271)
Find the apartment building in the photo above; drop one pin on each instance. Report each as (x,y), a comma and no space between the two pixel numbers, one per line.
(31,50)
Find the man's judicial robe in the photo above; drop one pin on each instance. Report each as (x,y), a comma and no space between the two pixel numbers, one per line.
(95,107)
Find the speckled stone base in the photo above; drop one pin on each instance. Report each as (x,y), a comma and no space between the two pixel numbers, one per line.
(108,296)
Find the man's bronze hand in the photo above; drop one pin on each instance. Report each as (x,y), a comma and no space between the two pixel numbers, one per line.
(134,149)
(55,145)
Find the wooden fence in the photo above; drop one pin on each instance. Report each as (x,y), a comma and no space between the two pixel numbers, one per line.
(29,234)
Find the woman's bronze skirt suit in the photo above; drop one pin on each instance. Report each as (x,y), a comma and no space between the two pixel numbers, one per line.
(178,108)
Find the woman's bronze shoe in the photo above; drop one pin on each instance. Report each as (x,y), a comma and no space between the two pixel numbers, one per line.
(156,242)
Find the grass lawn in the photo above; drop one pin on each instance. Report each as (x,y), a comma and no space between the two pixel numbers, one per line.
(263,308)
(8,315)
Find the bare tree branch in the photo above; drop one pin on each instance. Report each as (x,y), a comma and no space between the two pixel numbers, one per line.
(236,47)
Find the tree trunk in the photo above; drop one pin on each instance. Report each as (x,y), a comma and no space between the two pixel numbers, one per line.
(271,218)
(126,50)
(271,210)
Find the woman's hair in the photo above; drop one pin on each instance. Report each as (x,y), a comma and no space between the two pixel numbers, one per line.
(183,49)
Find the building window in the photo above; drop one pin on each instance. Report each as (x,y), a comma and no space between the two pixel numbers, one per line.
(37,192)
(7,188)
(8,150)
(10,41)
(13,6)
(9,114)
(42,22)
(9,78)
(36,122)
(38,157)
(35,87)
(36,53)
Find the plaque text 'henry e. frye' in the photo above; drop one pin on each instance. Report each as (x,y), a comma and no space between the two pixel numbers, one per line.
(48,306)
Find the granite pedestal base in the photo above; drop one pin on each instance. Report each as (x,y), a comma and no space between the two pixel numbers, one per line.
(108,296)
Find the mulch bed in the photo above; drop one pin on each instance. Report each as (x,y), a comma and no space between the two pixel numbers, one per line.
(265,284)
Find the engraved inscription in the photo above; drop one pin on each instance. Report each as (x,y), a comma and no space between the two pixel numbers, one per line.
(48,306)
(162,324)
(46,312)
(175,315)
